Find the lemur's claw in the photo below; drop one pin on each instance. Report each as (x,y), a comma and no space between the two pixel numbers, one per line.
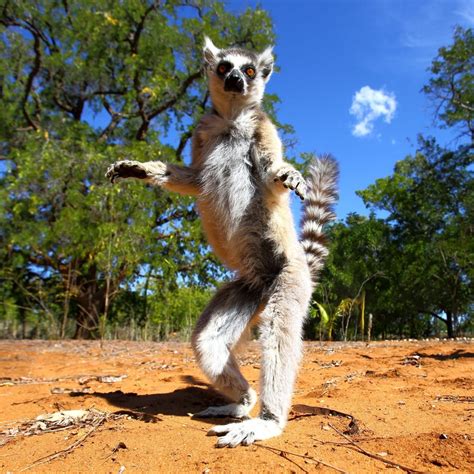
(125,169)
(300,190)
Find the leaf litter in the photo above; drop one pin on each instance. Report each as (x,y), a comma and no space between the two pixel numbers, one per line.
(68,420)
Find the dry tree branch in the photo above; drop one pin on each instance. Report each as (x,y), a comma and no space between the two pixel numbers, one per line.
(284,454)
(372,455)
(70,448)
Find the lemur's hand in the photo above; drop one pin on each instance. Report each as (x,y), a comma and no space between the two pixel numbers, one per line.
(126,169)
(135,169)
(293,180)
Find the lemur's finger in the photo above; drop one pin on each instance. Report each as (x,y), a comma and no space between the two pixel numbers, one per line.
(300,195)
(300,190)
(290,182)
(281,176)
(111,174)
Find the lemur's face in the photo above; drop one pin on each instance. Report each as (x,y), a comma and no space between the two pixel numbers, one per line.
(236,72)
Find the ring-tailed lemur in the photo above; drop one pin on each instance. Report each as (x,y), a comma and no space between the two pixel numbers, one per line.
(241,184)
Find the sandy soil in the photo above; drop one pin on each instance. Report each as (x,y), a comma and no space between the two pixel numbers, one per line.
(411,404)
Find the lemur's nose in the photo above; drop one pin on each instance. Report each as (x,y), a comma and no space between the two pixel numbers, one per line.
(234,82)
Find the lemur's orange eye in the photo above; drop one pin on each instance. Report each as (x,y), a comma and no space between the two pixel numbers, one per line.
(250,71)
(222,68)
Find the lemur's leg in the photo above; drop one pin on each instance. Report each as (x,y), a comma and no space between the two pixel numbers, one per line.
(217,333)
(281,328)
(180,179)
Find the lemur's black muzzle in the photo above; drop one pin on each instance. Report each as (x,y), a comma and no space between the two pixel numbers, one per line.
(234,82)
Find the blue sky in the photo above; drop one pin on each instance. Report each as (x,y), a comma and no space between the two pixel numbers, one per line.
(328,50)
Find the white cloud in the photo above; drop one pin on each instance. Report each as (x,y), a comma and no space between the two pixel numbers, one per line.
(368,105)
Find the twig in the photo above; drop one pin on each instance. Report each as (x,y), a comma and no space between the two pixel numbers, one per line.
(67,450)
(83,379)
(372,455)
(36,400)
(282,452)
(353,427)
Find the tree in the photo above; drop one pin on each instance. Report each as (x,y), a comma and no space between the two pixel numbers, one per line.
(354,275)
(452,86)
(429,201)
(84,83)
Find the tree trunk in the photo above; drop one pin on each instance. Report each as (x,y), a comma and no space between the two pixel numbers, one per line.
(22,313)
(91,302)
(85,328)
(449,324)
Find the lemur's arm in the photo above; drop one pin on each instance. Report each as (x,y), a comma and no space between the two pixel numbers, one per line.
(278,173)
(180,179)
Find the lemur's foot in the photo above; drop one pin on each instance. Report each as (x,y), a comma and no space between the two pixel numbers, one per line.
(127,169)
(293,180)
(233,410)
(245,433)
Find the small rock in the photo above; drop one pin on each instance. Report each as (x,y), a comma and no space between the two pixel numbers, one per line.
(443,436)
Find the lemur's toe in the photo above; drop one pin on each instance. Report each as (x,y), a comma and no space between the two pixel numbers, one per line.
(244,433)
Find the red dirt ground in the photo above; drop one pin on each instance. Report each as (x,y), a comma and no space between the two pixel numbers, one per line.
(412,403)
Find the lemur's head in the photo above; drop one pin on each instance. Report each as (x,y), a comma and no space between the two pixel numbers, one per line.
(236,73)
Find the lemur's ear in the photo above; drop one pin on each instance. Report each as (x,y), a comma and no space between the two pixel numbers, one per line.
(265,62)
(210,51)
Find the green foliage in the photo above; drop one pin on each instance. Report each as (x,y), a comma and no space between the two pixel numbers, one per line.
(416,263)
(429,201)
(83,84)
(327,320)
(177,311)
(452,85)
(353,272)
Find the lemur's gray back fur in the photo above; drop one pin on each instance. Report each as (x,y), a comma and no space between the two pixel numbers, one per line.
(318,210)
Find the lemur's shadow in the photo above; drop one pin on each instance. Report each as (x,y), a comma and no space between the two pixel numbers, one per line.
(180,402)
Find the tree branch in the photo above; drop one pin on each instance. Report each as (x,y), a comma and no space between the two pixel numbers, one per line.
(116,117)
(431,313)
(182,90)
(142,131)
(29,83)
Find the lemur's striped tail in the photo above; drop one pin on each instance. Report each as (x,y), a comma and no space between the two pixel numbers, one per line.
(318,211)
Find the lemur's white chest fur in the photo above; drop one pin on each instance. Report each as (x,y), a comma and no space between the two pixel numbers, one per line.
(227,176)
